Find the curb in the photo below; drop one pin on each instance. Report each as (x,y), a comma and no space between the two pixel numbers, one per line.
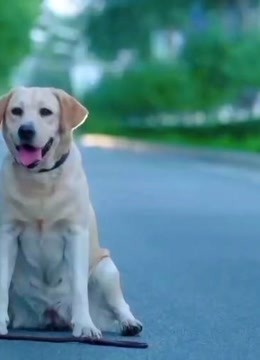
(231,158)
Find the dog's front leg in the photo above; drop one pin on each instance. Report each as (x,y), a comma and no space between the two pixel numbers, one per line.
(8,254)
(78,256)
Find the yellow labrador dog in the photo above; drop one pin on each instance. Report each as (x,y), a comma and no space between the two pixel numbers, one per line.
(53,272)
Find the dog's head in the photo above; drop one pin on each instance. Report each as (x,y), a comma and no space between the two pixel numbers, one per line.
(38,123)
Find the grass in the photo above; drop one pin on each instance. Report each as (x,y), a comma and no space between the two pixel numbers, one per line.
(240,136)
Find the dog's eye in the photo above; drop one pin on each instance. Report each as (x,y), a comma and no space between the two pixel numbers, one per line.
(45,112)
(17,111)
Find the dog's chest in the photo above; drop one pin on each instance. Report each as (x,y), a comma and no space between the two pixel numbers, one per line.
(43,208)
(43,251)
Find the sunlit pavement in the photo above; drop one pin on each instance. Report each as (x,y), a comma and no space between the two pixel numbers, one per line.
(186,237)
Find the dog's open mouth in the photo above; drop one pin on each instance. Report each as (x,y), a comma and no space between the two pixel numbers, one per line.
(30,156)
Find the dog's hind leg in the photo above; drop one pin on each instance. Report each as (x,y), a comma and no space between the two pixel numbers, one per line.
(105,281)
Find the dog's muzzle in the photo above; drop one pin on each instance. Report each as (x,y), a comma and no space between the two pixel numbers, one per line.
(30,156)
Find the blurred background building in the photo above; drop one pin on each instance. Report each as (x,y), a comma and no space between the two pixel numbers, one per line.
(172,70)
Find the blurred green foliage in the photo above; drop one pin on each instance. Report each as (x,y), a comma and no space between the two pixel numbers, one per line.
(44,75)
(242,136)
(16,20)
(223,67)
(220,61)
(150,87)
(213,70)
(115,27)
(130,23)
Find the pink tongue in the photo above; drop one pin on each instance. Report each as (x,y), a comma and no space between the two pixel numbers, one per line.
(30,157)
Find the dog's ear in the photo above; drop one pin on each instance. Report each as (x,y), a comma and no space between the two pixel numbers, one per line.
(73,114)
(4,100)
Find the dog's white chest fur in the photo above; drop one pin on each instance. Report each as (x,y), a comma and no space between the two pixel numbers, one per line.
(43,251)
(41,279)
(41,263)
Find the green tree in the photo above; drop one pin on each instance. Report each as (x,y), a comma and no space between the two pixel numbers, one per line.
(129,24)
(16,20)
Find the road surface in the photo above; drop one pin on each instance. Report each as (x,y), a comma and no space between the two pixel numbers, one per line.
(186,237)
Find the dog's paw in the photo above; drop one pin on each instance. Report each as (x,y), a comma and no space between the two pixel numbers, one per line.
(131,327)
(86,330)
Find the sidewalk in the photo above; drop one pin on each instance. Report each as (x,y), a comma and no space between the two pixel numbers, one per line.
(232,158)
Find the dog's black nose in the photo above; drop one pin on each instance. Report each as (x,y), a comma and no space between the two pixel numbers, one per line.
(26,132)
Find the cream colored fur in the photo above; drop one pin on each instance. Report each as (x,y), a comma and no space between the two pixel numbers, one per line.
(51,261)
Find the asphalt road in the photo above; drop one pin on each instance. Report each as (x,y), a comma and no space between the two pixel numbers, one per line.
(186,237)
